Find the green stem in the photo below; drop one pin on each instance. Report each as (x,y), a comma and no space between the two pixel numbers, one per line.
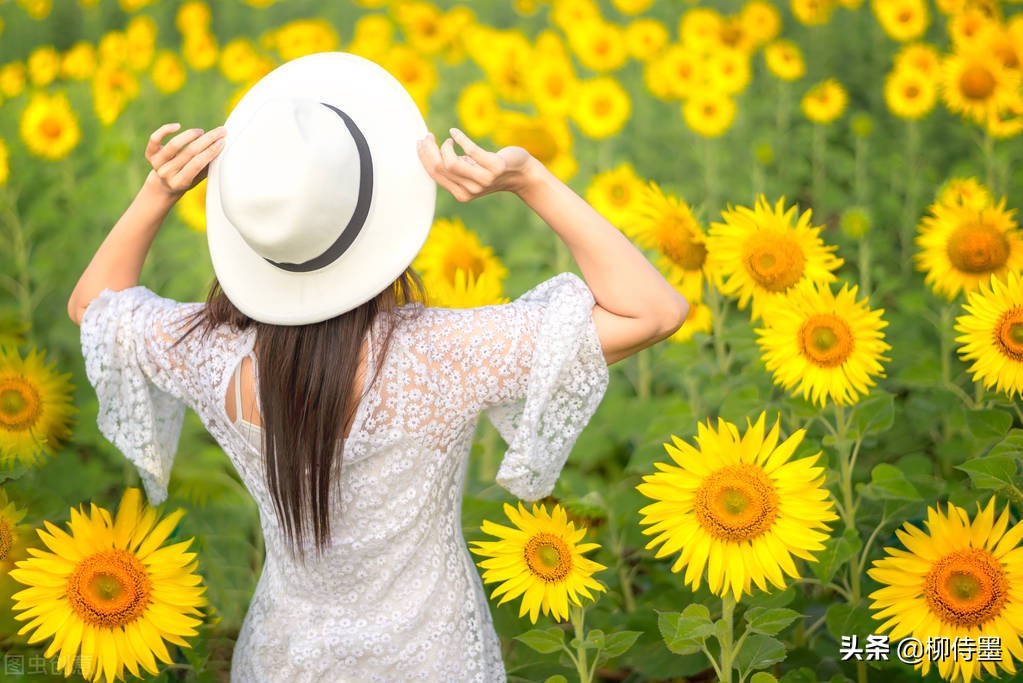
(618,548)
(866,283)
(728,649)
(782,115)
(578,616)
(644,374)
(710,174)
(817,173)
(990,172)
(718,309)
(20,281)
(847,453)
(912,198)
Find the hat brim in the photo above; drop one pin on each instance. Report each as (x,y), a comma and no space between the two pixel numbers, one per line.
(401,209)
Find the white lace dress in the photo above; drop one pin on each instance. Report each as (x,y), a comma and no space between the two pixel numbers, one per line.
(396,597)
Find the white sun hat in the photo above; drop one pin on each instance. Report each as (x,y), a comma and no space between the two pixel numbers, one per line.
(318,201)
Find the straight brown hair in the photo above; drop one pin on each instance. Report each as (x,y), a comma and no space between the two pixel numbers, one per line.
(307,399)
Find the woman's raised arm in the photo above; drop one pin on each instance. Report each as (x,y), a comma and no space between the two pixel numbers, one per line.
(177,166)
(635,306)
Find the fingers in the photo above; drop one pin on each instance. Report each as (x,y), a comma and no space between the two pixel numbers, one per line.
(181,161)
(433,162)
(477,154)
(177,143)
(156,139)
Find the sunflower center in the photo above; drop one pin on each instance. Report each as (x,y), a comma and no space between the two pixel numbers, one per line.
(602,106)
(737,503)
(538,141)
(826,340)
(620,195)
(110,588)
(6,538)
(966,588)
(460,257)
(774,262)
(976,83)
(548,557)
(677,243)
(51,128)
(911,92)
(1009,335)
(20,405)
(977,248)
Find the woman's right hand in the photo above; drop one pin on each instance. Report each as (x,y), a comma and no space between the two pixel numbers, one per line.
(181,163)
(477,172)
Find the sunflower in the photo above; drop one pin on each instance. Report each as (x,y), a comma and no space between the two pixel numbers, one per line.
(374,34)
(5,168)
(992,334)
(963,246)
(43,65)
(615,193)
(728,70)
(545,137)
(539,558)
(666,224)
(200,50)
(759,254)
(738,506)
(902,20)
(822,345)
(300,37)
(971,27)
(168,72)
(477,109)
(553,85)
(631,7)
(812,12)
(49,127)
(140,34)
(240,61)
(977,85)
(192,207)
(709,112)
(451,249)
(699,319)
(785,60)
(909,94)
(922,57)
(700,28)
(964,192)
(35,407)
(959,579)
(109,590)
(12,537)
(645,38)
(825,102)
(466,290)
(12,79)
(602,106)
(599,45)
(676,73)
(113,87)
(761,21)
(79,62)
(417,73)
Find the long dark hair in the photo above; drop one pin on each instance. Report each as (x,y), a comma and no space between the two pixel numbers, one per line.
(307,398)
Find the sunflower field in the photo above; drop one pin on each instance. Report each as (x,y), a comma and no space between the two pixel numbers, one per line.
(818,478)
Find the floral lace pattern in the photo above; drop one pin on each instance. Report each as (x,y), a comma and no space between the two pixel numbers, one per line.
(396,595)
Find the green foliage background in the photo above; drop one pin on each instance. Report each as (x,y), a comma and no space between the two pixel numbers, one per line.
(926,435)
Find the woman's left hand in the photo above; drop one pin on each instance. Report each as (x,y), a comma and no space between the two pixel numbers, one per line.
(181,163)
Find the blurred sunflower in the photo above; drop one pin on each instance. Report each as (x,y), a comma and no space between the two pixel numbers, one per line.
(200,50)
(902,20)
(477,109)
(415,72)
(545,137)
(240,61)
(506,57)
(451,249)
(666,224)
(699,28)
(759,254)
(738,506)
(109,591)
(37,9)
(539,558)
(825,346)
(963,246)
(678,71)
(977,85)
(992,334)
(300,37)
(168,72)
(709,112)
(140,35)
(5,169)
(1007,47)
(728,70)
(13,537)
(964,192)
(922,57)
(49,126)
(192,207)
(825,102)
(958,579)
(35,407)
(423,25)
(113,87)
(599,45)
(785,60)
(43,65)
(616,193)
(812,12)
(79,62)
(12,79)
(971,26)
(374,34)
(734,36)
(699,320)
(553,85)
(632,7)
(602,106)
(761,20)
(113,48)
(645,37)
(910,94)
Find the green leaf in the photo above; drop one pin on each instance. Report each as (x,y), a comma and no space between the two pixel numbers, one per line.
(837,551)
(762,677)
(991,471)
(1011,445)
(544,641)
(873,415)
(759,652)
(770,621)
(556,678)
(595,640)
(845,620)
(989,423)
(684,634)
(619,642)
(887,482)
(803,674)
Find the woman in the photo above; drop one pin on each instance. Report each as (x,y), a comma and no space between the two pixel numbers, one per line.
(347,411)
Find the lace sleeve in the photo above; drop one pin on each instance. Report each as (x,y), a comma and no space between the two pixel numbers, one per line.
(552,386)
(139,376)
